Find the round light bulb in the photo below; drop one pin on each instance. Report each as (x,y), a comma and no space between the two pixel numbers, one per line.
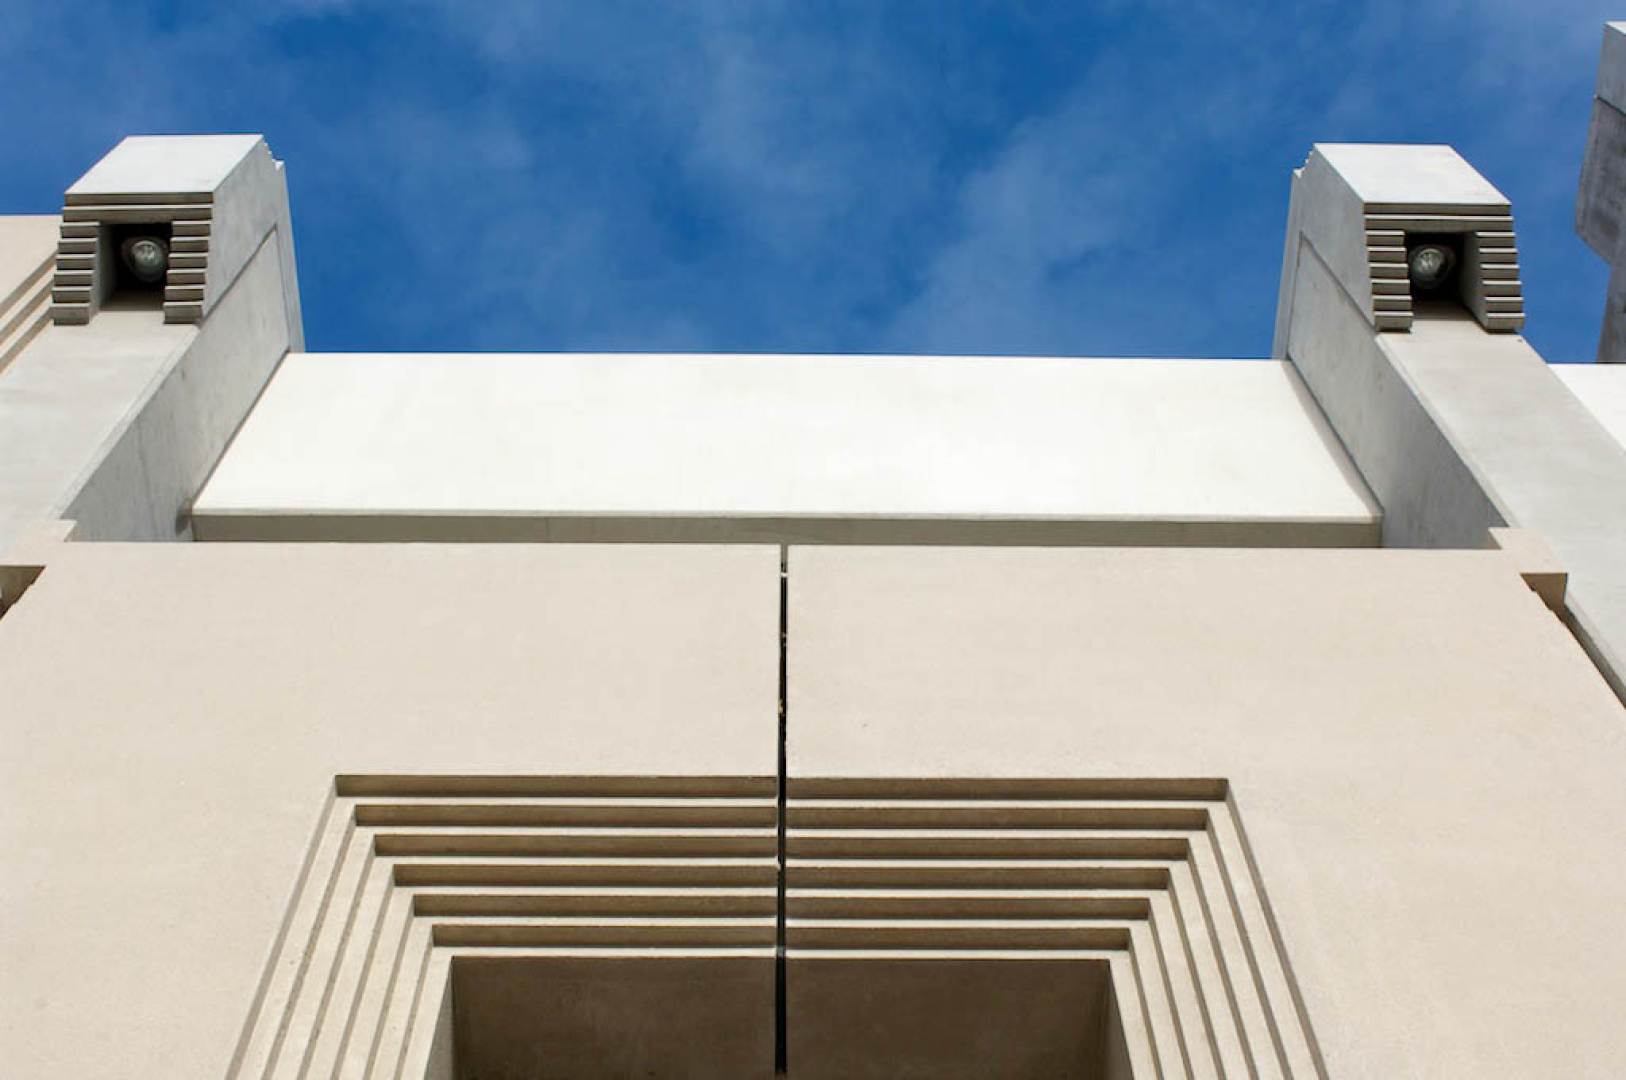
(147,258)
(1430,264)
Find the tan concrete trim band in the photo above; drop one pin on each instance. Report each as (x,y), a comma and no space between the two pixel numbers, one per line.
(281,527)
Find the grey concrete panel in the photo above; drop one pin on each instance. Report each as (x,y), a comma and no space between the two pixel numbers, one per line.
(290,273)
(1290,262)
(1331,216)
(1600,203)
(1612,333)
(1612,65)
(249,204)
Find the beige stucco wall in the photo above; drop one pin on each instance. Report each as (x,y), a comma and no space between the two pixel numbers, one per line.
(1427,766)
(1425,763)
(173,715)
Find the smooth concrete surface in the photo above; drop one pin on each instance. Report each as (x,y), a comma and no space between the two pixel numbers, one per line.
(175,715)
(1602,389)
(250,205)
(69,397)
(784,447)
(1426,764)
(169,165)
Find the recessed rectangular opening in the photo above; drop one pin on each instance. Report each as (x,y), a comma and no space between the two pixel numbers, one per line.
(945,1019)
(517,1018)
(122,289)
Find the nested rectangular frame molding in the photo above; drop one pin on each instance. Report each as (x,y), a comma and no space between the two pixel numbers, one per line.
(1152,877)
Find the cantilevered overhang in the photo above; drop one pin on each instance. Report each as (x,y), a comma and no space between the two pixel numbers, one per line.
(842,449)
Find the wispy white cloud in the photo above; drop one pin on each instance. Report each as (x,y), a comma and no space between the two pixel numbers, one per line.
(1033,178)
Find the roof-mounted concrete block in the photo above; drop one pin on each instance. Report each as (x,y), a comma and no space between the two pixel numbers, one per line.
(1600,204)
(1362,208)
(212,198)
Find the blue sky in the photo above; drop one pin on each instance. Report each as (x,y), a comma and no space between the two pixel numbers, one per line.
(1070,178)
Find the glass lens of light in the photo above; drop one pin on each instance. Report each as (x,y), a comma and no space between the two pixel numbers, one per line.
(1430,263)
(147,257)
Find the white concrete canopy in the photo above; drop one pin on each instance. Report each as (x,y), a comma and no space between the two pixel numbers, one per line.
(785,447)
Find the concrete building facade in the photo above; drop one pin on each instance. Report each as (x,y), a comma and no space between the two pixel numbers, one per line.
(830,716)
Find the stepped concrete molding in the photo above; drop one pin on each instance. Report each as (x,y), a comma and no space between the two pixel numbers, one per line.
(421,892)
(1600,206)
(1147,879)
